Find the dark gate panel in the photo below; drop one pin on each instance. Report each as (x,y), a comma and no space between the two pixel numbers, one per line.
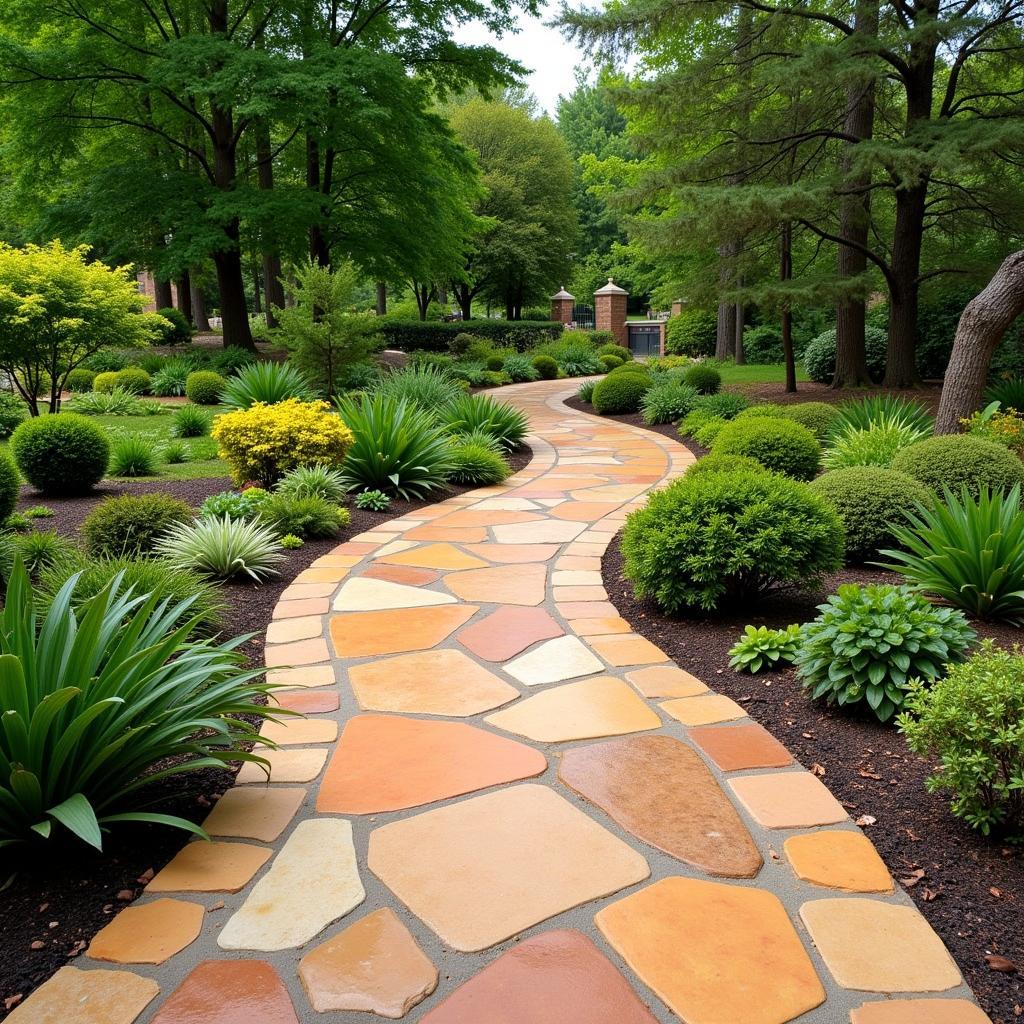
(583,316)
(644,338)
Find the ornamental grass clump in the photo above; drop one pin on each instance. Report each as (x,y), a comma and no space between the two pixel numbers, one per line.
(430,388)
(667,401)
(264,442)
(304,515)
(223,548)
(103,701)
(313,481)
(132,523)
(477,459)
(503,421)
(868,643)
(266,382)
(719,539)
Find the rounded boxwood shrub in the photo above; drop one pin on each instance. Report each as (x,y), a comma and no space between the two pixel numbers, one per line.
(80,380)
(12,412)
(105,382)
(620,393)
(725,464)
(129,525)
(818,417)
(134,380)
(718,539)
(10,482)
(692,333)
(609,362)
(178,330)
(869,499)
(632,367)
(762,411)
(706,379)
(780,445)
(66,454)
(546,366)
(204,387)
(622,353)
(494,364)
(961,460)
(820,355)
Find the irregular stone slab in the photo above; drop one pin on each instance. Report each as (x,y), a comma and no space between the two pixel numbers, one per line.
(564,658)
(500,584)
(482,517)
(374,965)
(627,649)
(895,948)
(435,556)
(306,702)
(557,977)
(313,881)
(302,652)
(369,595)
(508,631)
(301,607)
(410,575)
(666,681)
(480,871)
(285,766)
(441,682)
(308,677)
(303,627)
(229,992)
(254,812)
(712,707)
(600,626)
(735,747)
(210,867)
(716,954)
(584,511)
(149,933)
(455,534)
(74,996)
(293,731)
(550,532)
(514,553)
(840,860)
(387,763)
(660,790)
(363,634)
(788,800)
(919,1011)
(602,706)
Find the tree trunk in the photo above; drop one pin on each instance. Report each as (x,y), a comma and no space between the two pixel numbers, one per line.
(233,310)
(786,274)
(464,297)
(382,298)
(257,304)
(423,293)
(725,342)
(741,321)
(509,309)
(198,304)
(162,294)
(900,368)
(982,325)
(185,296)
(273,290)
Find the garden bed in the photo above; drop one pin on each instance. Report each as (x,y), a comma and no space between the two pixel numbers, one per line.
(57,902)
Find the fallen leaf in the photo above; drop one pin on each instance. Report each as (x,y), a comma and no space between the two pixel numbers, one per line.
(913,878)
(996,892)
(219,905)
(77,948)
(146,876)
(12,1001)
(38,944)
(125,896)
(1000,963)
(868,775)
(818,769)
(866,819)
(929,894)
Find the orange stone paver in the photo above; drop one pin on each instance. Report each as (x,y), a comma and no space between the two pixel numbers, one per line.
(210,867)
(229,992)
(362,634)
(838,859)
(508,631)
(919,1011)
(504,584)
(251,812)
(666,681)
(736,747)
(149,933)
(87,997)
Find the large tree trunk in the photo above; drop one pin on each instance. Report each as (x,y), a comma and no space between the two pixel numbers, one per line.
(202,321)
(741,323)
(786,274)
(725,337)
(382,298)
(233,310)
(464,297)
(257,302)
(162,294)
(185,296)
(982,325)
(273,289)
(900,368)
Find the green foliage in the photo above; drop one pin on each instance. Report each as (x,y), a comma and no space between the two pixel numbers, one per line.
(631,367)
(305,515)
(178,331)
(434,336)
(430,388)
(961,460)
(290,542)
(228,361)
(519,369)
(265,382)
(762,345)
(313,481)
(169,380)
(372,501)
(38,550)
(477,459)
(134,380)
(966,550)
(1009,393)
(90,719)
(10,484)
(38,512)
(877,446)
(867,643)
(61,455)
(761,647)
(1005,428)
(620,393)
(820,355)
(494,364)
(761,411)
(818,417)
(223,548)
(973,722)
(106,360)
(585,392)
(245,504)
(134,455)
(721,539)
(703,426)
(575,356)
(868,499)
(503,421)
(706,379)
(667,401)
(613,349)
(610,362)
(116,402)
(692,333)
(104,383)
(130,525)
(717,463)
(879,410)
(546,367)
(191,421)
(726,404)
(399,448)
(783,446)
(204,387)
(79,380)
(174,453)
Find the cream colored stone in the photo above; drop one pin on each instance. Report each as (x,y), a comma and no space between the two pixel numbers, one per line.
(704,710)
(369,595)
(563,658)
(293,731)
(788,800)
(74,996)
(285,766)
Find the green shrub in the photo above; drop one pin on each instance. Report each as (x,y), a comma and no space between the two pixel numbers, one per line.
(877,446)
(460,343)
(575,358)
(131,524)
(620,393)
(476,459)
(245,504)
(503,421)
(38,550)
(703,426)
(134,380)
(610,362)
(266,382)
(718,539)
(882,410)
(546,367)
(761,647)
(61,455)
(519,369)
(305,515)
(706,379)
(817,417)
(313,481)
(693,332)
(725,404)
(585,392)
(174,453)
(169,381)
(1009,393)
(191,421)
(179,331)
(204,387)
(762,345)
(869,499)
(667,401)
(967,551)
(106,403)
(399,448)
(434,336)
(494,364)
(79,380)
(973,722)
(725,464)
(228,361)
(820,355)
(766,410)
(960,460)
(105,382)
(430,388)
(127,690)
(12,411)
(620,352)
(869,642)
(373,501)
(639,368)
(780,445)
(290,542)
(106,360)
(223,548)
(494,379)
(134,455)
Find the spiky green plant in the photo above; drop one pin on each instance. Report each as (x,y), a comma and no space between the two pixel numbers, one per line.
(191,421)
(133,455)
(504,422)
(888,410)
(430,388)
(223,548)
(876,445)
(265,382)
(316,480)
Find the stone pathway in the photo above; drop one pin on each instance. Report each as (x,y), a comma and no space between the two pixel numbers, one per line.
(504,807)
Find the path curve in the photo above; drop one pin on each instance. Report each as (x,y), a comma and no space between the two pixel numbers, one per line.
(530,816)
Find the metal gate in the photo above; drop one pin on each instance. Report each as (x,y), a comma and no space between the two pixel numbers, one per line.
(644,338)
(583,316)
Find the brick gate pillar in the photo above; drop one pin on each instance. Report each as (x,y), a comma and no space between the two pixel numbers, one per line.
(610,311)
(562,304)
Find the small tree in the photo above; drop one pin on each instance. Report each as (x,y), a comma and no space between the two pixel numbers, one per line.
(56,309)
(319,330)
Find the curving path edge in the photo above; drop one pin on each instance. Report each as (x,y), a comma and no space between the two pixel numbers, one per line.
(505,807)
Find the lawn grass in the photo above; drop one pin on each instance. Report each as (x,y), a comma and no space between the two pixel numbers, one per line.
(757,373)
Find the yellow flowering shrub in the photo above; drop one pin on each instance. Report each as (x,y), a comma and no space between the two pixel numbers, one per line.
(1003,426)
(264,442)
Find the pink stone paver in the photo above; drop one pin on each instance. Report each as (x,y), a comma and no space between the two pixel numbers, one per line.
(520,826)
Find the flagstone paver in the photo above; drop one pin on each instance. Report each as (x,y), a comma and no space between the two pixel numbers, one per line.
(496,857)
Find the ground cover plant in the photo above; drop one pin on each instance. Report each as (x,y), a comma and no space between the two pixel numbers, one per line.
(223,548)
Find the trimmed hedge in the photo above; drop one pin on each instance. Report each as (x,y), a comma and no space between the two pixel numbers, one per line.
(435,336)
(620,393)
(66,454)
(10,483)
(817,417)
(706,379)
(780,445)
(960,460)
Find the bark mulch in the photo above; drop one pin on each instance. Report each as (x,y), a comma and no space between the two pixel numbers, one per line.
(969,888)
(57,899)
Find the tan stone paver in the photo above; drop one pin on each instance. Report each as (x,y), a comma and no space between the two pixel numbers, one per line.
(362,634)
(738,747)
(149,933)
(666,681)
(508,631)
(563,658)
(703,710)
(838,859)
(251,812)
(87,997)
(210,867)
(919,1011)
(368,595)
(286,765)
(787,800)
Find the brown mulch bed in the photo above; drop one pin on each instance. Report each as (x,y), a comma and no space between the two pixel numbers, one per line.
(58,899)
(970,889)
